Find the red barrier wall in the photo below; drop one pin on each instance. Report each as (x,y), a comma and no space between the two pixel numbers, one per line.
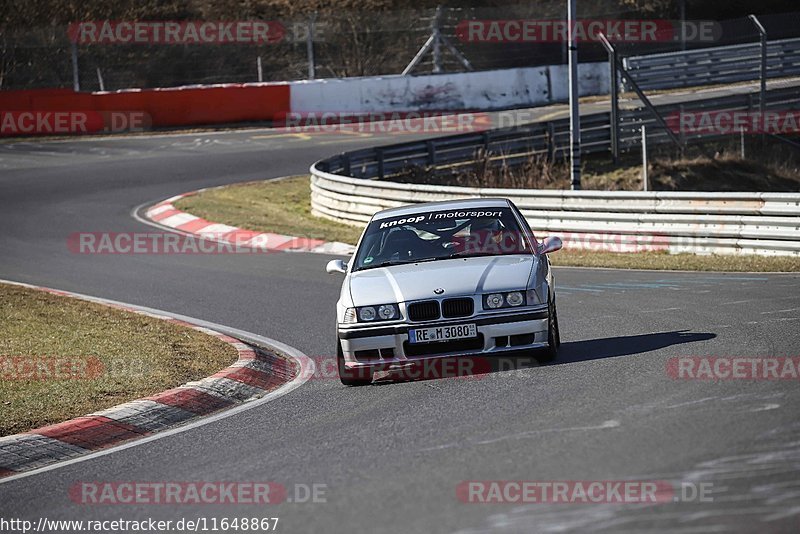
(180,106)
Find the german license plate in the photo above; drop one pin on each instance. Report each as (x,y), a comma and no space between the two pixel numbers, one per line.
(442,333)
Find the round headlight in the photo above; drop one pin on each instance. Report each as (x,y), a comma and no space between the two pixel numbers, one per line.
(515,298)
(495,300)
(387,312)
(366,314)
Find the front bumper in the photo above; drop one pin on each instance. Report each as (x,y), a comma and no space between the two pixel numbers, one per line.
(499,332)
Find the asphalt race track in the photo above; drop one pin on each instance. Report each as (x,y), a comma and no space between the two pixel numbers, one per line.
(391,455)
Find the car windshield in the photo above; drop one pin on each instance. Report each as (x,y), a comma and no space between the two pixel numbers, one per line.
(439,235)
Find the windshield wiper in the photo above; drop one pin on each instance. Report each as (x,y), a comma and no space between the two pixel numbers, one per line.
(387,263)
(390,263)
(465,254)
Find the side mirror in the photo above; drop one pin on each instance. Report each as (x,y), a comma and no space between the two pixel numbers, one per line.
(336,266)
(550,244)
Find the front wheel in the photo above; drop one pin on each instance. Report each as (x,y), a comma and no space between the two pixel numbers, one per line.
(351,377)
(553,335)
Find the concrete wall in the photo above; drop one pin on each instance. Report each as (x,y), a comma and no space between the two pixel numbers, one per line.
(486,90)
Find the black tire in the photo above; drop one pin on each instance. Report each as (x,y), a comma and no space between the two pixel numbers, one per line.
(553,335)
(351,377)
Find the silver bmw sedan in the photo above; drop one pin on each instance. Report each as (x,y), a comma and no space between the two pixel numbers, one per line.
(444,279)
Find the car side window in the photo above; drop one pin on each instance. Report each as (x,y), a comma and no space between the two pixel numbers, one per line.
(527,228)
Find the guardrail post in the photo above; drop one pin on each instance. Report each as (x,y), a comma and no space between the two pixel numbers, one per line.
(431,146)
(346,164)
(379,158)
(644,157)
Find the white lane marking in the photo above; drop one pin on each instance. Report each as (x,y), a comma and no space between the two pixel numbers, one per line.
(307,369)
(690,403)
(793,297)
(780,311)
(611,423)
(764,408)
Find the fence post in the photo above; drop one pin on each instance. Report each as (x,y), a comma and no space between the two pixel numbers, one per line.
(741,140)
(642,97)
(614,92)
(762,93)
(310,46)
(100,80)
(574,113)
(681,133)
(260,69)
(437,41)
(76,83)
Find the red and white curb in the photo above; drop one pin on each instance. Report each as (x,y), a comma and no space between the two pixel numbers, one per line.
(259,375)
(167,215)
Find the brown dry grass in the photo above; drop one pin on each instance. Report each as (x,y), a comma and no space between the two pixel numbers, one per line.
(134,356)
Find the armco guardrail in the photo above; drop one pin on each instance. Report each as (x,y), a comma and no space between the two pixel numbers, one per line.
(624,221)
(717,65)
(349,188)
(516,144)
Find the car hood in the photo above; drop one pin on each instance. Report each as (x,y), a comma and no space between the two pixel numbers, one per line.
(461,276)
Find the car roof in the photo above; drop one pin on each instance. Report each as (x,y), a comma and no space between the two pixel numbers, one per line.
(466,203)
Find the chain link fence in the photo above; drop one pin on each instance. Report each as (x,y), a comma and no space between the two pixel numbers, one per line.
(345,44)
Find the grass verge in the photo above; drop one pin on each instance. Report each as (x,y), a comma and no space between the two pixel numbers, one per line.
(62,357)
(279,206)
(284,207)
